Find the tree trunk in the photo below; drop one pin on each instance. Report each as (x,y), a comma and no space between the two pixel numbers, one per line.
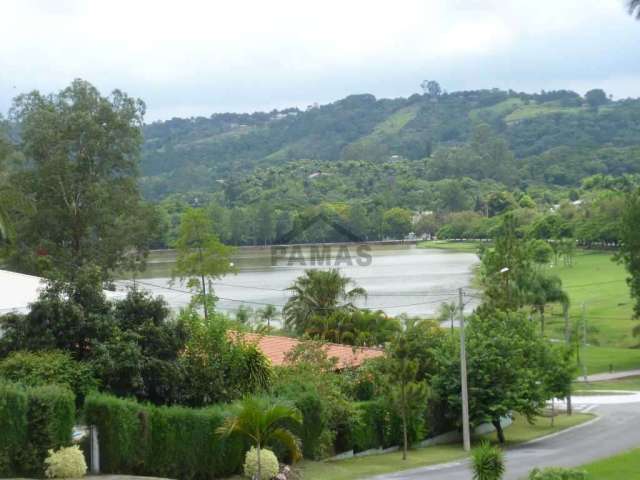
(567,331)
(499,432)
(542,322)
(404,421)
(259,464)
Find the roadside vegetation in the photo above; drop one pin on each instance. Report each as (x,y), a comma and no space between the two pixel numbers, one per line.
(189,395)
(519,432)
(626,465)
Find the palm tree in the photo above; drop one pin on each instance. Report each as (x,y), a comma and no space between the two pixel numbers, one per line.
(545,289)
(267,314)
(262,421)
(319,293)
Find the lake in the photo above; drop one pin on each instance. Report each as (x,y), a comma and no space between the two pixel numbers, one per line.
(398,278)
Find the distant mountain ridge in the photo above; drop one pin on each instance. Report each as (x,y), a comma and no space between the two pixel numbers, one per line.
(202,153)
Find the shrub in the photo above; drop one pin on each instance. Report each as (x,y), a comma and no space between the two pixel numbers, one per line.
(171,442)
(369,429)
(13,425)
(50,418)
(313,431)
(65,463)
(32,421)
(487,462)
(47,368)
(269,466)
(557,474)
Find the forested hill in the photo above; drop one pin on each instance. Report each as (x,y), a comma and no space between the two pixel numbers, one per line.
(554,138)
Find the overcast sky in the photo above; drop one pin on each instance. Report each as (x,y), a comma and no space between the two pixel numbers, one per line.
(188,57)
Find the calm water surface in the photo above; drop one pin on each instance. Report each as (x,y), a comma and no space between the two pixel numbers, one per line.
(398,278)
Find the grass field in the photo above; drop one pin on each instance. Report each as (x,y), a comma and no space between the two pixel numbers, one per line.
(466,247)
(631,383)
(598,282)
(625,466)
(520,431)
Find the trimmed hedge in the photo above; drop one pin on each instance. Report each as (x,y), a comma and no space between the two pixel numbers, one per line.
(13,425)
(173,442)
(32,421)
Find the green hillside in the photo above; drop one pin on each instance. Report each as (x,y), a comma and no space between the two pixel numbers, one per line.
(546,132)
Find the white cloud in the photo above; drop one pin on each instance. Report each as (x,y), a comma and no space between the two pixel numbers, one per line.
(197,56)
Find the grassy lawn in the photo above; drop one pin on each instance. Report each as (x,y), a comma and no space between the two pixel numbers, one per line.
(631,383)
(520,431)
(598,282)
(466,247)
(599,359)
(624,466)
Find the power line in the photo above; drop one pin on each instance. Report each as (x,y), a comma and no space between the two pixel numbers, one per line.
(188,292)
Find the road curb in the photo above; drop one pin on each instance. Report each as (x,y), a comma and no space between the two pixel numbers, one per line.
(555,434)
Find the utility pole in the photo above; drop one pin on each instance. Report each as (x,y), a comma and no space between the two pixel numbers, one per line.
(466,434)
(567,340)
(584,342)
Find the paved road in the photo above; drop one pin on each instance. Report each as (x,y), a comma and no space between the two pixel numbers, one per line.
(615,431)
(601,377)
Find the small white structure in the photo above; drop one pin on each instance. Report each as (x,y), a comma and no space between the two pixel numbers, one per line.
(17,291)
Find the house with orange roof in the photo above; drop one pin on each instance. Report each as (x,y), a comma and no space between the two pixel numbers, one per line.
(276,348)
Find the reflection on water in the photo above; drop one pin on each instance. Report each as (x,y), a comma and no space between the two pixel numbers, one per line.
(399,278)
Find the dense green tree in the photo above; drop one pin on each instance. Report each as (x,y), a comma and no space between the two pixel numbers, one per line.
(500,202)
(219,365)
(68,316)
(265,223)
(541,252)
(79,184)
(596,97)
(629,253)
(397,222)
(201,257)
(506,268)
(506,361)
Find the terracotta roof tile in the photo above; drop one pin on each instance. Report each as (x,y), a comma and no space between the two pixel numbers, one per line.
(276,348)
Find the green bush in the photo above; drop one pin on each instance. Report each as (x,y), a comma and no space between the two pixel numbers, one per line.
(50,418)
(487,462)
(65,463)
(313,432)
(49,368)
(557,474)
(380,425)
(13,425)
(33,421)
(269,466)
(172,442)
(369,428)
